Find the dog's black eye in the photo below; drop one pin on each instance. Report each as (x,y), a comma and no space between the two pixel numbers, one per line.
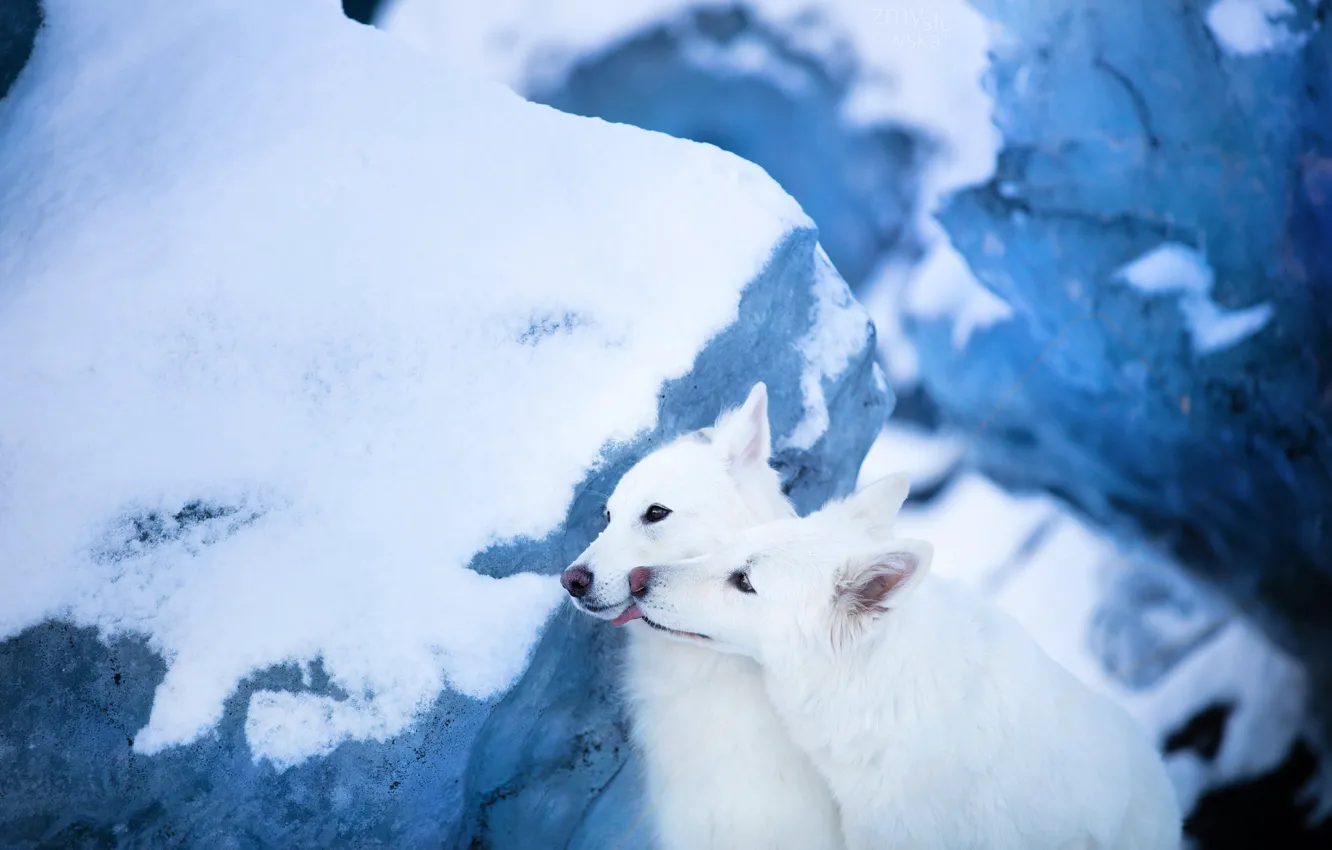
(608,516)
(740,581)
(655,513)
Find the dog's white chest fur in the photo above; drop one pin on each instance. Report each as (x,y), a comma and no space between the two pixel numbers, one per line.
(722,771)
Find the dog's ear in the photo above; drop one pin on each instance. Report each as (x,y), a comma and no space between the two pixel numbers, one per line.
(876,582)
(743,435)
(873,508)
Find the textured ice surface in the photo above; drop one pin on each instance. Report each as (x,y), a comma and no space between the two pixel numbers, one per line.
(1198,421)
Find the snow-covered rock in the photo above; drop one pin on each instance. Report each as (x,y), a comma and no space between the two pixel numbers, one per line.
(317,361)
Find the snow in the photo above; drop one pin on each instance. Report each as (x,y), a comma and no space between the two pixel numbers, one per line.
(1050,572)
(943,286)
(1055,597)
(976,528)
(294,321)
(1214,329)
(1251,27)
(925,69)
(926,457)
(838,331)
(1170,267)
(749,56)
(1175,268)
(882,296)
(940,286)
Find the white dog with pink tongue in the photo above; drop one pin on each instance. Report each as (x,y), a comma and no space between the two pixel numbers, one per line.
(722,772)
(936,720)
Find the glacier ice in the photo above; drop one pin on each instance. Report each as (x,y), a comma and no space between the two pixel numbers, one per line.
(1189,410)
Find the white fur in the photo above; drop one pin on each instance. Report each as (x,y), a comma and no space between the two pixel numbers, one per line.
(937,721)
(721,770)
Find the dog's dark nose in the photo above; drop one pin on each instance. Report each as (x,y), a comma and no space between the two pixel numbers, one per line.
(577,580)
(638,580)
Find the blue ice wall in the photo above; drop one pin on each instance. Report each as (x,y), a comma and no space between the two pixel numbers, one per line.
(1127,126)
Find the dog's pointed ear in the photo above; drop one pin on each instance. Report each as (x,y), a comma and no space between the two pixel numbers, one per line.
(743,435)
(874,508)
(877,582)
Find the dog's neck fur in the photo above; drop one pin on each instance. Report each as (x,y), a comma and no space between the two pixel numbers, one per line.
(809,677)
(946,699)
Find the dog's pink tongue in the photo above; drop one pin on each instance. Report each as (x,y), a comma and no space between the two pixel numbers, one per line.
(630,613)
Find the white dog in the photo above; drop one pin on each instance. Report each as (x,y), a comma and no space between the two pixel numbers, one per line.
(937,721)
(722,772)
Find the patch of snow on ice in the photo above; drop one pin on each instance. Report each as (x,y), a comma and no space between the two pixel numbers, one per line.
(297,322)
(839,329)
(289,728)
(1055,598)
(882,297)
(1214,329)
(943,285)
(925,68)
(748,56)
(925,456)
(1250,27)
(1172,267)
(976,527)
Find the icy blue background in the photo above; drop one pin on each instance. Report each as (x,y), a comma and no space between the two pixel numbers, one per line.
(1134,128)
